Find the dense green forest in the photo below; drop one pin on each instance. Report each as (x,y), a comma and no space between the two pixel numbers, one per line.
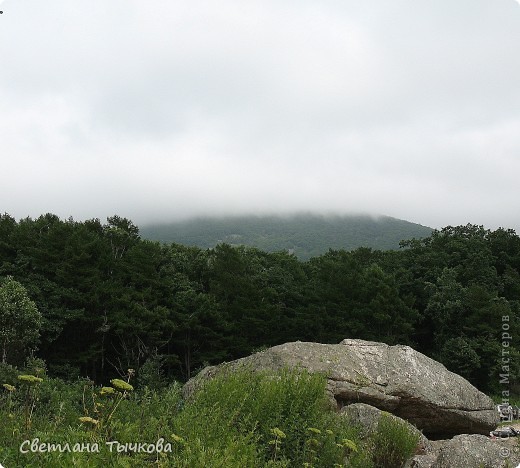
(106,300)
(305,235)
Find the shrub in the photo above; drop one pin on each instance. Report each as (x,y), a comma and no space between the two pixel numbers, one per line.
(393,443)
(251,408)
(8,374)
(150,373)
(65,371)
(35,366)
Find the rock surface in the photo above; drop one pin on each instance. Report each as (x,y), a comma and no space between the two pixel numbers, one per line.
(368,417)
(470,451)
(396,379)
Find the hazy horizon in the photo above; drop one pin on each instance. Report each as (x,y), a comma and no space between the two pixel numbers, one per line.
(244,215)
(288,215)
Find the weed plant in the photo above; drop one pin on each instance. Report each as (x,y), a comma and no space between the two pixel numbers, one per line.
(393,443)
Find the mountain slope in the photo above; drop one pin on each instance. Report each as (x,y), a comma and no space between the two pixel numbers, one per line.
(306,235)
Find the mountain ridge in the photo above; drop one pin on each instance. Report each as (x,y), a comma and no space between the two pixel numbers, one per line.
(306,235)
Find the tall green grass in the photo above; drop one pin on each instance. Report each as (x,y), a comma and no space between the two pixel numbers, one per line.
(241,419)
(243,408)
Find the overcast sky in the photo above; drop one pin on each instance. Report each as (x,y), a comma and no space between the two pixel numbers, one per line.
(157,110)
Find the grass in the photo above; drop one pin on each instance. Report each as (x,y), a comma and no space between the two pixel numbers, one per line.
(244,419)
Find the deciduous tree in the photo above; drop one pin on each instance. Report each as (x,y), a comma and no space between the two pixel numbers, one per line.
(20,320)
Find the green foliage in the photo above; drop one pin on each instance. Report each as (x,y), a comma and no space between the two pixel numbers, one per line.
(20,320)
(460,357)
(229,423)
(36,366)
(271,414)
(109,301)
(8,374)
(63,413)
(150,374)
(393,443)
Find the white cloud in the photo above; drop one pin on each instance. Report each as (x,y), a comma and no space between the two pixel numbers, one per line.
(170,108)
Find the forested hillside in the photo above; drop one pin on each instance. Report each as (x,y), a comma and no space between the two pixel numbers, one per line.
(110,300)
(305,235)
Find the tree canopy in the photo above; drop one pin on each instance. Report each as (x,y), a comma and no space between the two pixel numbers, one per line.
(106,300)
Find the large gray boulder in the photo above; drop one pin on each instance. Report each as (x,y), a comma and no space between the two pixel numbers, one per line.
(396,379)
